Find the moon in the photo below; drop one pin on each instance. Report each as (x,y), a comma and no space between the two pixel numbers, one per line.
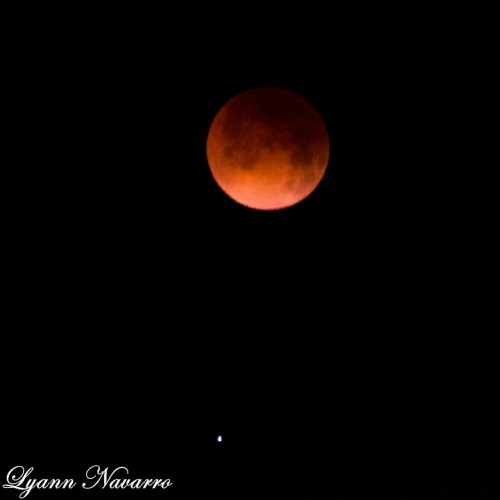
(268,148)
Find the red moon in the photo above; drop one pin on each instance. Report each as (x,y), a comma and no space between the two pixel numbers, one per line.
(268,148)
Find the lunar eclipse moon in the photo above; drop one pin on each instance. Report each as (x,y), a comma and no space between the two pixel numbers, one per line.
(268,148)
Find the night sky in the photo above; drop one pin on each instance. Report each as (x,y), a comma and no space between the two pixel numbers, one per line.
(344,348)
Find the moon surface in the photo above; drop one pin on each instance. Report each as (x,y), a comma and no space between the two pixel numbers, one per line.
(268,148)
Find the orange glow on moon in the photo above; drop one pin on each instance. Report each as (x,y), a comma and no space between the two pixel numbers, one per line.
(268,148)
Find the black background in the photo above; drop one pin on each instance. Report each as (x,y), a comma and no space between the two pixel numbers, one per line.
(344,348)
